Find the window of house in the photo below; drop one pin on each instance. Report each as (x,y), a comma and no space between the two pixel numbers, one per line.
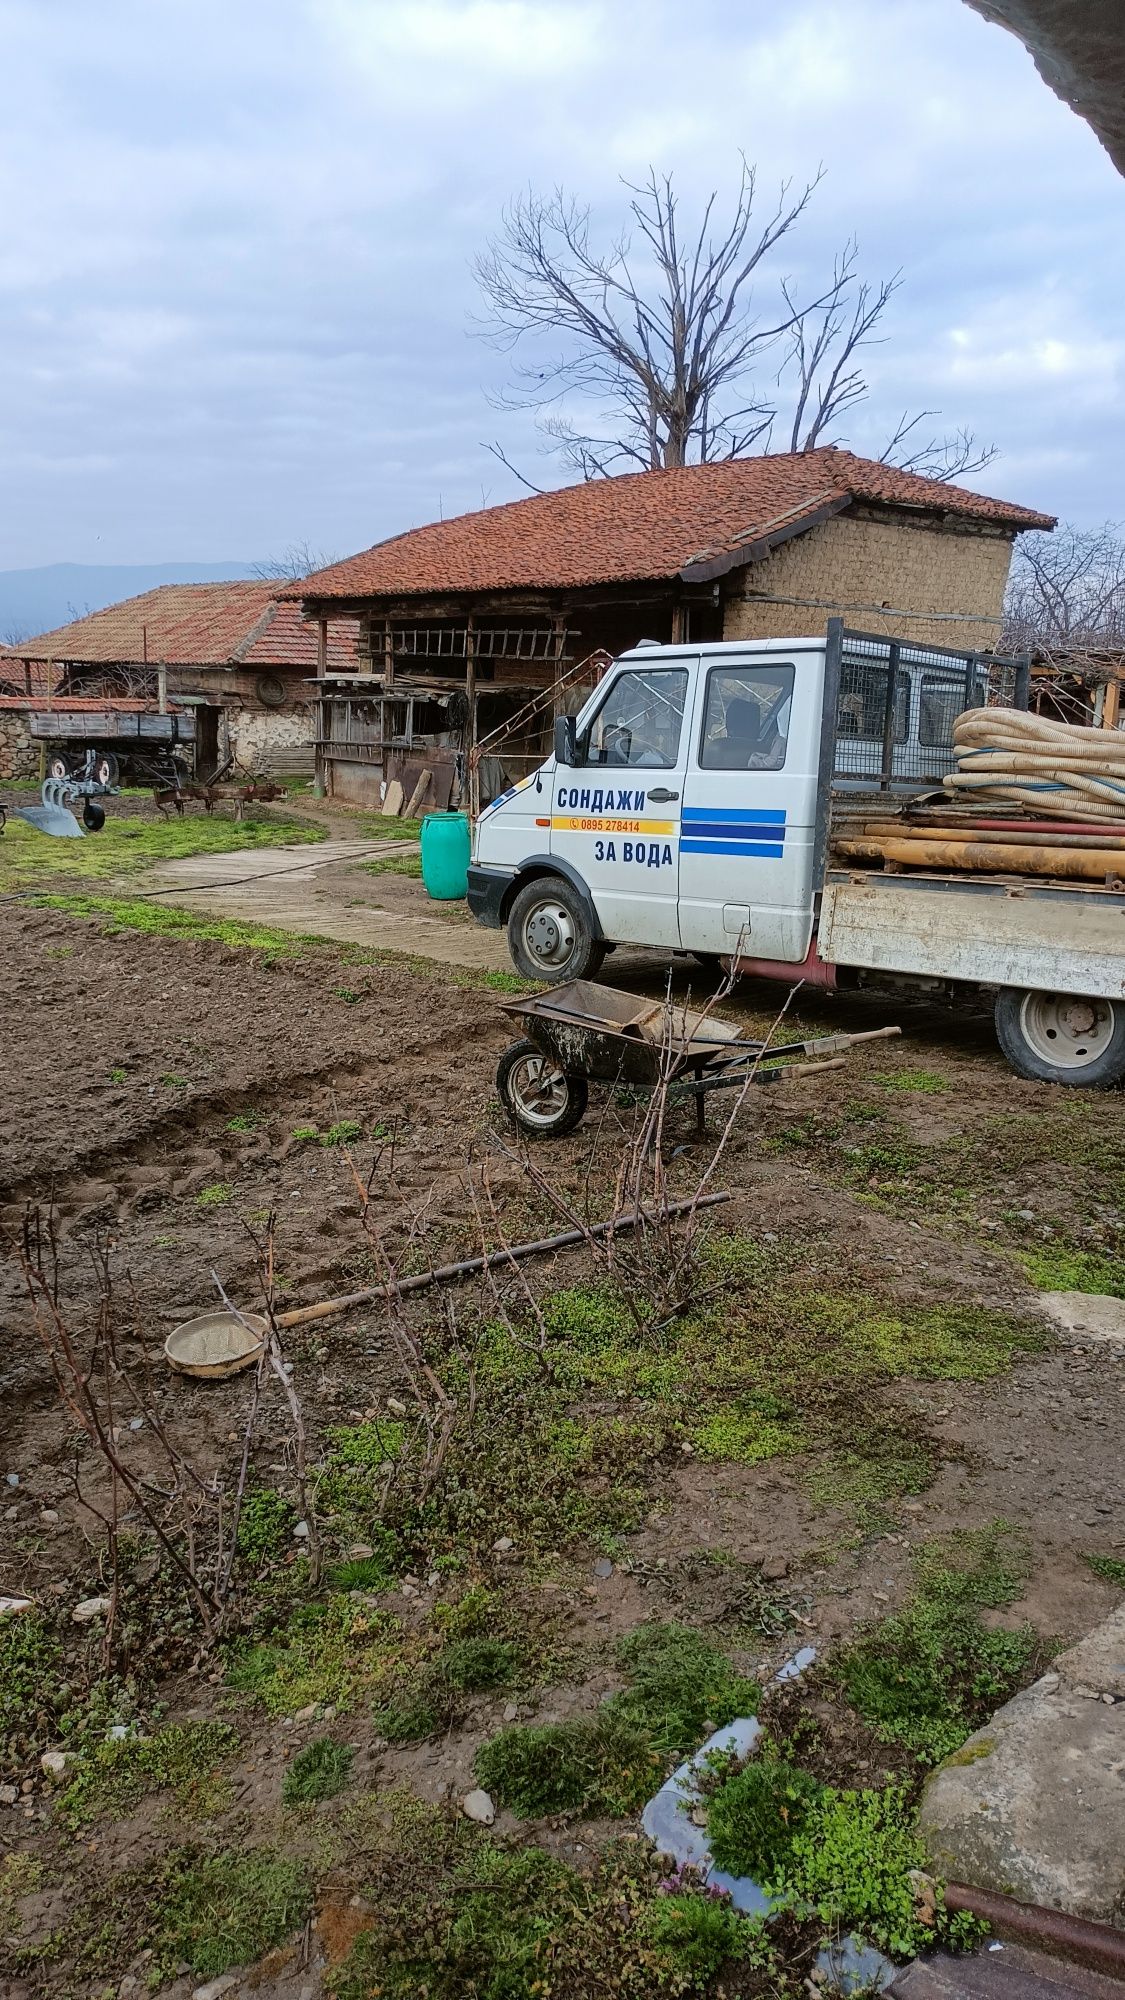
(746,718)
(640,720)
(862,705)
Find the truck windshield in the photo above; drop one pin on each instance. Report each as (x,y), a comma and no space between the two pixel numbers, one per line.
(640,720)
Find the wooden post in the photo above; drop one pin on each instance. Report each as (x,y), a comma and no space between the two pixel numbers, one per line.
(1111,712)
(471,726)
(388,657)
(162,688)
(677,624)
(320,712)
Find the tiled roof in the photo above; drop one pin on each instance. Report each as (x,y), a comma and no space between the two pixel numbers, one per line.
(33,678)
(193,625)
(643,525)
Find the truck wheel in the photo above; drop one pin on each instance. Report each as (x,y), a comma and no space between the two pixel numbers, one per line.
(107,770)
(1061,1038)
(549,935)
(58,764)
(542,1100)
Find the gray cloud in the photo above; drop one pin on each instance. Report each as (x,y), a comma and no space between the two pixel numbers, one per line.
(234,276)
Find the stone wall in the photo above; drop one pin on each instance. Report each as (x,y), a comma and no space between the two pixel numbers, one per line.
(19,756)
(276,740)
(935,584)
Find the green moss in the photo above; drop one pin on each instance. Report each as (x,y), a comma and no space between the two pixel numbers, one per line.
(472,1666)
(304,1135)
(215,1196)
(333,1652)
(1054,1268)
(32,1691)
(928,1676)
(681,1686)
(972,1753)
(597,1764)
(1110,1568)
(244,1121)
(318,1771)
(926,1082)
(180,1759)
(20,1875)
(265,1527)
(228,1909)
(743,1433)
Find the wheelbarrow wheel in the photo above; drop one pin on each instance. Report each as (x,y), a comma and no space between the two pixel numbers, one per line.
(543,1101)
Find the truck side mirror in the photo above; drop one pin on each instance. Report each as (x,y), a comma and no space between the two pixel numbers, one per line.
(566,740)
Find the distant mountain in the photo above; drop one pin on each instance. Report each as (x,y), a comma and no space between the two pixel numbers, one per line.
(38,600)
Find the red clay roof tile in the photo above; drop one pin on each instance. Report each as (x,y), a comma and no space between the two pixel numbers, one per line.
(190,625)
(644,525)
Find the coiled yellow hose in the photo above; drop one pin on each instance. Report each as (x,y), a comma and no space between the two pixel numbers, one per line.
(1059,770)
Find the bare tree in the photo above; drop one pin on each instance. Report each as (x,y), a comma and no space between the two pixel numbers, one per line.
(668,334)
(295,562)
(1066,590)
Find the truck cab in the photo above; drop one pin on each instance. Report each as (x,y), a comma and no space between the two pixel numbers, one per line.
(679,810)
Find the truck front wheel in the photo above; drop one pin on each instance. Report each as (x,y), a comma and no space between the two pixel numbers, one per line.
(549,933)
(1062,1038)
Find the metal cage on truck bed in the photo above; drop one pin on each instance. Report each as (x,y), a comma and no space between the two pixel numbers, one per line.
(889,708)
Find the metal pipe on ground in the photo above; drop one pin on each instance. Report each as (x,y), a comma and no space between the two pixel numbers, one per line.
(1085,865)
(444,1273)
(1101,1947)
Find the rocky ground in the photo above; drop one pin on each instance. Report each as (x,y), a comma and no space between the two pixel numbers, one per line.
(837,1405)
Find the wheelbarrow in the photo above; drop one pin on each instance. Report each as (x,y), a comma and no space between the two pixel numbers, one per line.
(582,1033)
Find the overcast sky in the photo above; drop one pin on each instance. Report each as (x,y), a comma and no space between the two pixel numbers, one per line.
(235,243)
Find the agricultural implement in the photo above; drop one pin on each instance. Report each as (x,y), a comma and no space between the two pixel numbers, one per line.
(582,1033)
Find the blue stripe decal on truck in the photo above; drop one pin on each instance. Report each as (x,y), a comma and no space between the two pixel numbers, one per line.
(757,832)
(762,850)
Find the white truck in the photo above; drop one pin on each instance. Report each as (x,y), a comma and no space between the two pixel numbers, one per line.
(693,805)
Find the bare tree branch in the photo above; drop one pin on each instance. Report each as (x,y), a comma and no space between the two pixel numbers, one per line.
(1066,591)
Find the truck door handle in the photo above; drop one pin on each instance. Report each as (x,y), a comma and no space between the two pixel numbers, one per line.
(662,796)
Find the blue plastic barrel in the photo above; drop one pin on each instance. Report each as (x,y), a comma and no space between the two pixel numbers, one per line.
(446,846)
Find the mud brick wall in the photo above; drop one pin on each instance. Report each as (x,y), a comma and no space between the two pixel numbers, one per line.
(19,756)
(880,575)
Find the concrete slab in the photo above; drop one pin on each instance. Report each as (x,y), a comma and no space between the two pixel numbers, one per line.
(1033,1805)
(1091,1315)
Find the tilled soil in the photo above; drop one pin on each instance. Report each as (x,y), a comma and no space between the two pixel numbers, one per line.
(128,1059)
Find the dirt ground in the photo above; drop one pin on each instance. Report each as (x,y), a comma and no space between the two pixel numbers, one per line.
(164,1097)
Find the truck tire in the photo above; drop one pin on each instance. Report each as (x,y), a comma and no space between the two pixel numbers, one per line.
(107,770)
(549,934)
(543,1101)
(58,764)
(1061,1038)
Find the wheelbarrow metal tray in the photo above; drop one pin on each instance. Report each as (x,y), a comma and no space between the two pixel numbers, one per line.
(610,1036)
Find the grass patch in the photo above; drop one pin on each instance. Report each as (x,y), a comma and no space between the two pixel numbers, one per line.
(1110,1569)
(591,1765)
(392,829)
(929,1675)
(127,845)
(681,1686)
(33,1693)
(342,1132)
(244,1121)
(216,1195)
(317,1772)
(395,864)
(180,1759)
(20,1875)
(851,1859)
(124,913)
(265,1527)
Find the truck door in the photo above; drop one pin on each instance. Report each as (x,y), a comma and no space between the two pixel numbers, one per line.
(615,817)
(749,808)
